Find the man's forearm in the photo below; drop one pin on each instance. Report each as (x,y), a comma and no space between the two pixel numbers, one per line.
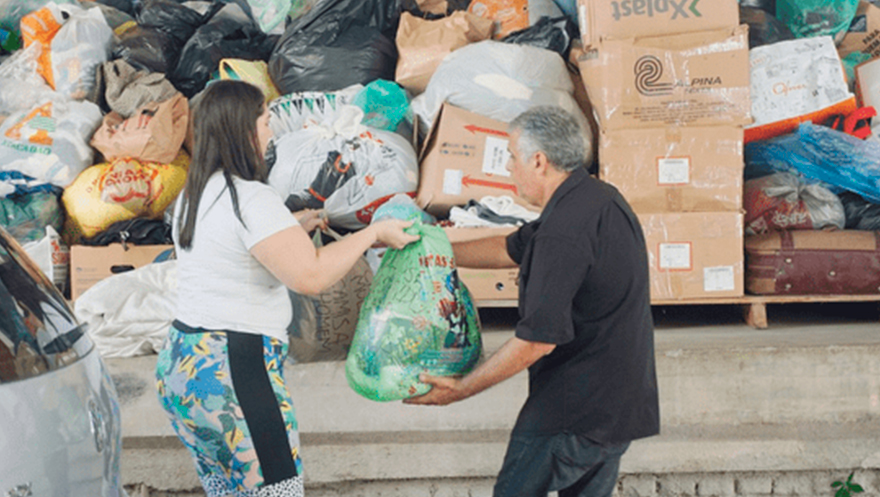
(483,253)
(514,356)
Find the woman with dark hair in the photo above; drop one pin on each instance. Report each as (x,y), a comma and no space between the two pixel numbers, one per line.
(219,375)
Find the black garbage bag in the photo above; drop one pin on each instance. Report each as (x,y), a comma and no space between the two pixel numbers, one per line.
(230,33)
(768,6)
(137,231)
(860,214)
(147,49)
(337,44)
(173,19)
(330,17)
(553,34)
(412,6)
(764,28)
(126,6)
(358,55)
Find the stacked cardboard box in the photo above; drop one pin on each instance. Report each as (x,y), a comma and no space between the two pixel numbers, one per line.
(670,90)
(465,157)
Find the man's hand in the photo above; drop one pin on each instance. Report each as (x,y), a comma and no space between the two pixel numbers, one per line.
(444,391)
(514,356)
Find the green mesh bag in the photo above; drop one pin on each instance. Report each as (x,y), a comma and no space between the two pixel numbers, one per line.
(418,316)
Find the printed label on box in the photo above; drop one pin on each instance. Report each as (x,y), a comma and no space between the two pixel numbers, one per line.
(675,256)
(674,171)
(452,181)
(495,157)
(718,279)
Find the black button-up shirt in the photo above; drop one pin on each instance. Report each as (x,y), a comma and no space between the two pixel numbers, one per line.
(584,286)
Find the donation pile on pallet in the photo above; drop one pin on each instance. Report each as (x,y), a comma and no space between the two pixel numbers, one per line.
(727,125)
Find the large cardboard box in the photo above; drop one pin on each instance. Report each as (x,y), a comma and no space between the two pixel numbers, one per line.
(464,157)
(628,18)
(486,284)
(694,255)
(675,169)
(694,79)
(89,265)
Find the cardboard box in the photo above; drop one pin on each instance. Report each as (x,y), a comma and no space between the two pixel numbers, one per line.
(694,79)
(676,169)
(89,265)
(464,157)
(694,255)
(864,32)
(486,284)
(628,18)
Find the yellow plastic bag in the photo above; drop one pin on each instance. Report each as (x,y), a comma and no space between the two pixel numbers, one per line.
(120,190)
(255,72)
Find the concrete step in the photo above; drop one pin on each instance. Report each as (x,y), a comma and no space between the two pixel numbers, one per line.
(801,396)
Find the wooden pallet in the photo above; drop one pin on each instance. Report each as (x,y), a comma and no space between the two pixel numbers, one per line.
(754,306)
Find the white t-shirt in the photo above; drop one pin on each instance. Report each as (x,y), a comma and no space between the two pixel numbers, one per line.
(221,286)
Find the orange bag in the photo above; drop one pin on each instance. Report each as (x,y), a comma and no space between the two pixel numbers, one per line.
(154,133)
(509,15)
(41,26)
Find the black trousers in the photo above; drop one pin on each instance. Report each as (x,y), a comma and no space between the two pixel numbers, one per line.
(568,463)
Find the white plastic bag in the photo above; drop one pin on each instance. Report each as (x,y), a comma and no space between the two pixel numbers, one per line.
(80,45)
(50,142)
(292,112)
(21,86)
(52,257)
(499,80)
(348,169)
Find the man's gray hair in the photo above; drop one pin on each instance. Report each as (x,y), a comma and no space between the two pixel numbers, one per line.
(554,132)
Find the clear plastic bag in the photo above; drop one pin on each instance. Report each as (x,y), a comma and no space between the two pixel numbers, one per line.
(417,317)
(809,18)
(500,81)
(782,201)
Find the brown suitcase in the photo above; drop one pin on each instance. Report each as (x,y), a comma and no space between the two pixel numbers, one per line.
(808,262)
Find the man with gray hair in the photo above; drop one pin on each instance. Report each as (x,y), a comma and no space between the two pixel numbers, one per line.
(585,330)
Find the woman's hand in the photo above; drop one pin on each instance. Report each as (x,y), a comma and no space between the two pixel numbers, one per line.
(390,232)
(310,219)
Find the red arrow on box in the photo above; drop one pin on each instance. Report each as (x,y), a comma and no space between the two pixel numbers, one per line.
(474,129)
(467,181)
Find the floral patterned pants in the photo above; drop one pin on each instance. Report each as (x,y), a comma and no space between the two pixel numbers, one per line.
(225,394)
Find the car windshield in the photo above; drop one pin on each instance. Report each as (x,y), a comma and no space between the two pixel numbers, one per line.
(38,331)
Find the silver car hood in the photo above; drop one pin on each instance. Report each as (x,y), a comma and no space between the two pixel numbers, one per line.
(60,433)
